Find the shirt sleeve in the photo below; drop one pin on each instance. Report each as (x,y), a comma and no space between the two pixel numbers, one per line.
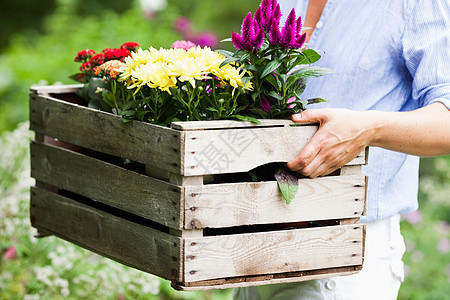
(426,50)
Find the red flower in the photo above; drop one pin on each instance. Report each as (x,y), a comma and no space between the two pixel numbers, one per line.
(97,59)
(82,77)
(130,46)
(115,53)
(86,67)
(84,55)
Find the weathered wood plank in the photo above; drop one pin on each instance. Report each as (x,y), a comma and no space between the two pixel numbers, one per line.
(139,141)
(144,196)
(226,205)
(272,252)
(127,242)
(227,124)
(243,149)
(67,88)
(237,282)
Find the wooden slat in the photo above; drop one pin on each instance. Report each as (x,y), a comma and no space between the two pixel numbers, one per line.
(325,198)
(273,252)
(139,141)
(290,277)
(127,242)
(144,196)
(69,88)
(243,149)
(224,124)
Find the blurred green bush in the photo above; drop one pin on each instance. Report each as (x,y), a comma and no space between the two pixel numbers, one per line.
(43,45)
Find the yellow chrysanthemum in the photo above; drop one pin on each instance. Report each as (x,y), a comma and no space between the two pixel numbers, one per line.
(173,55)
(188,69)
(153,75)
(233,76)
(141,57)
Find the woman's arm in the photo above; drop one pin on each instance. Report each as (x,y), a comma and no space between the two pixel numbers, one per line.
(343,134)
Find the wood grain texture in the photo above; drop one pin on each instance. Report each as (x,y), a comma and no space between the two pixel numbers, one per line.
(272,252)
(129,243)
(227,124)
(243,149)
(236,282)
(144,196)
(139,141)
(68,88)
(226,205)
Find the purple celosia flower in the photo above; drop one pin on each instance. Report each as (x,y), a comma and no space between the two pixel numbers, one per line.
(290,36)
(251,37)
(268,11)
(264,105)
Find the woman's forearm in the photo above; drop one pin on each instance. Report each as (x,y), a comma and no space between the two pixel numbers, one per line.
(423,132)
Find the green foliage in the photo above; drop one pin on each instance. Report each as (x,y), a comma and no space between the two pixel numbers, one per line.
(427,257)
(46,56)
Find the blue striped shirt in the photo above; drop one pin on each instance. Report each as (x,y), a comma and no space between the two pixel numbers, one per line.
(389,56)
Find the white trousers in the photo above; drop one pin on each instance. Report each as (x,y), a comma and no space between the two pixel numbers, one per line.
(379,279)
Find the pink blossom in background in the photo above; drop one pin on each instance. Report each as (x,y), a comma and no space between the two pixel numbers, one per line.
(406,269)
(444,228)
(182,25)
(444,245)
(414,217)
(417,256)
(10,253)
(186,45)
(203,39)
(207,39)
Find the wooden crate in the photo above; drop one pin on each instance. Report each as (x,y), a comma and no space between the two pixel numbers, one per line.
(161,214)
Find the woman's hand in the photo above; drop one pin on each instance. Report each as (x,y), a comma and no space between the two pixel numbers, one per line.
(342,135)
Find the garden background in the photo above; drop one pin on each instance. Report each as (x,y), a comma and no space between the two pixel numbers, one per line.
(38,42)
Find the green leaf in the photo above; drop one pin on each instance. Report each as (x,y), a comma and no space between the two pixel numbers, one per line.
(315,100)
(130,104)
(287,183)
(260,112)
(308,56)
(225,40)
(312,71)
(248,119)
(275,95)
(228,60)
(274,81)
(225,53)
(75,77)
(272,66)
(253,68)
(127,113)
